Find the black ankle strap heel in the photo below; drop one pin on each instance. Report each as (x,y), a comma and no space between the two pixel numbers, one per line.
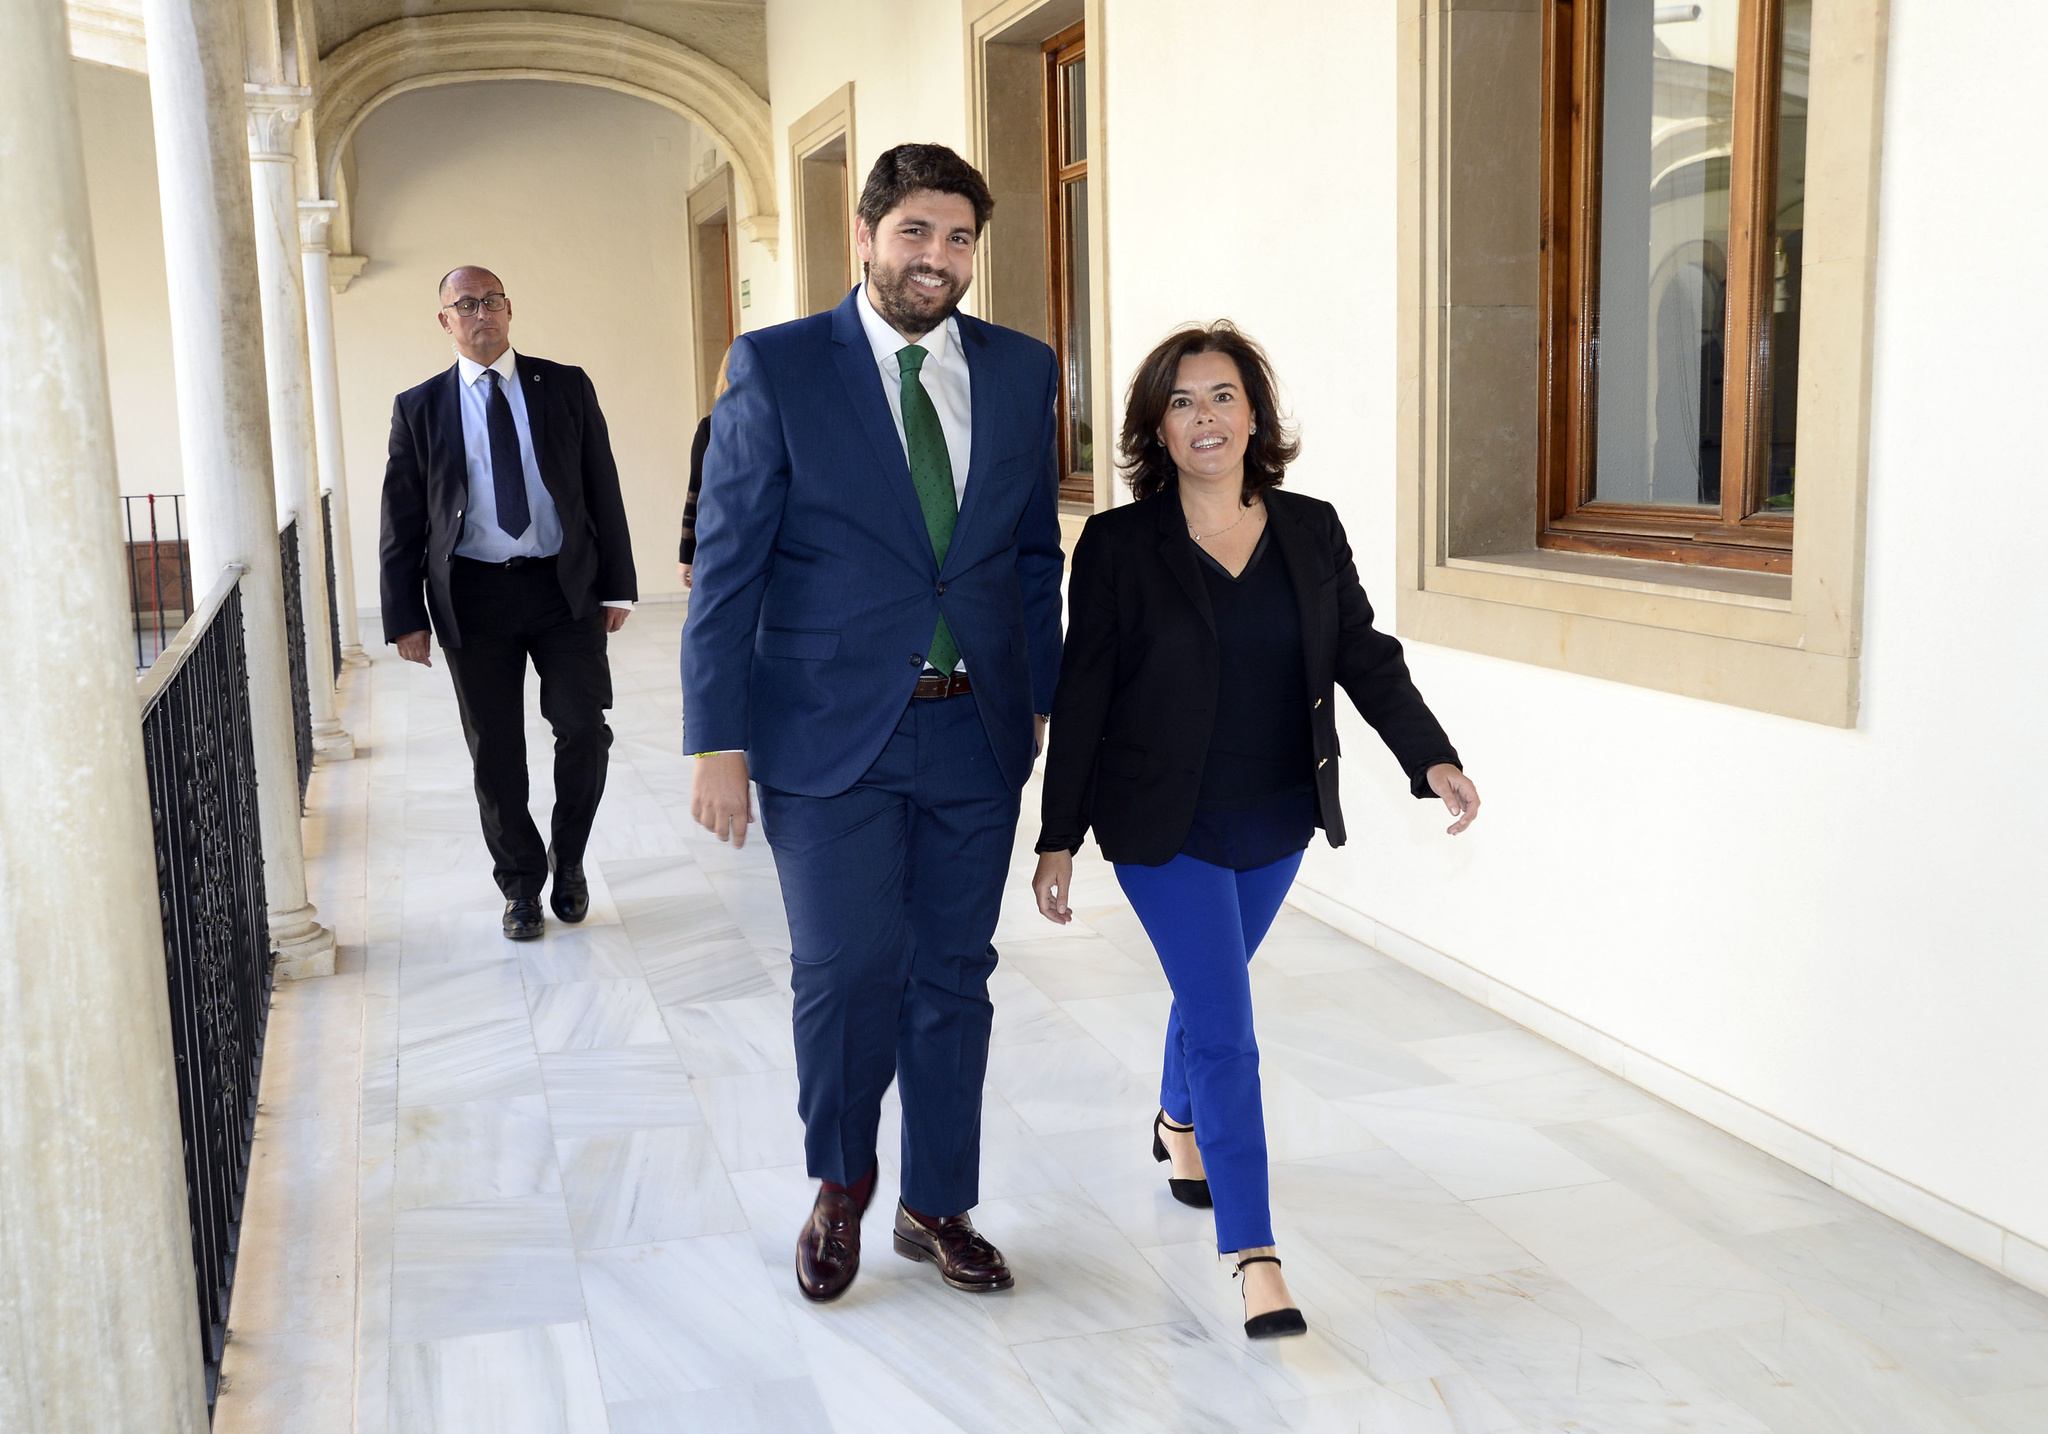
(1272,1323)
(1188,1192)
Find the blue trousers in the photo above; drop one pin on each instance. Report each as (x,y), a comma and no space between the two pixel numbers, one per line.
(1206,922)
(893,888)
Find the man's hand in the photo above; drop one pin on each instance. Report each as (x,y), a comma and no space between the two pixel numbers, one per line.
(718,796)
(1053,884)
(1458,793)
(416,647)
(1038,735)
(615,618)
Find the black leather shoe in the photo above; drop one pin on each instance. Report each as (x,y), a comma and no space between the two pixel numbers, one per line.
(965,1259)
(523,921)
(828,1247)
(1188,1192)
(570,895)
(1273,1323)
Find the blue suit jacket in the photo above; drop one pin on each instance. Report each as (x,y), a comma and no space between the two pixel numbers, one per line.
(815,592)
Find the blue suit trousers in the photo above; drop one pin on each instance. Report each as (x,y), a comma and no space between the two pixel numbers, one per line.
(893,888)
(1206,922)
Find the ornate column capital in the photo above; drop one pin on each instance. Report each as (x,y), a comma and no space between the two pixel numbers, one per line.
(316,223)
(274,112)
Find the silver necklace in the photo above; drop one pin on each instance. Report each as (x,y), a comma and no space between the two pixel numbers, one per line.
(1221,531)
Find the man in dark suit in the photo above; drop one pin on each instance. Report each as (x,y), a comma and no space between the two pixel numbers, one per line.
(874,624)
(504,529)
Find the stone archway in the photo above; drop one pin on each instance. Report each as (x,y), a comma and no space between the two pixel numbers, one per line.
(432,50)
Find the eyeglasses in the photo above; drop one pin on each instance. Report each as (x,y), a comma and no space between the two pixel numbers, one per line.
(468,305)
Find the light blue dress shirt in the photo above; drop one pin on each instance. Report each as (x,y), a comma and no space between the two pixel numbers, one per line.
(482,538)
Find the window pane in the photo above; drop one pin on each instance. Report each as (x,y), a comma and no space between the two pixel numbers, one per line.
(1667,102)
(1074,111)
(1080,385)
(1783,365)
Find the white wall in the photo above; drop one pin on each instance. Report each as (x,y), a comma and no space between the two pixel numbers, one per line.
(578,199)
(906,61)
(1841,928)
(128,246)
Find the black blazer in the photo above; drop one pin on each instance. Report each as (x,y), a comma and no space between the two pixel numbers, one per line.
(686,551)
(426,487)
(1134,710)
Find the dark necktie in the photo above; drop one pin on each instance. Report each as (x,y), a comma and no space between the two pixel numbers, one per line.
(508,474)
(931,471)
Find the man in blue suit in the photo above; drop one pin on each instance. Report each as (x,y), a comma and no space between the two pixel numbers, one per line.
(874,636)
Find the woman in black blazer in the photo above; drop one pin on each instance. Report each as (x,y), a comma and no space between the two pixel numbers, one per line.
(686,551)
(1209,625)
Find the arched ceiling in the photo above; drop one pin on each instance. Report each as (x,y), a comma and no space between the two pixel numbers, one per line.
(730,33)
(413,53)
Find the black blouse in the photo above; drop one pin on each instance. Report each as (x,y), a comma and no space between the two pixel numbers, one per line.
(1257,801)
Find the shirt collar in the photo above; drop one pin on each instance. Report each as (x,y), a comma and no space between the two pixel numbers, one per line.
(887,343)
(505,367)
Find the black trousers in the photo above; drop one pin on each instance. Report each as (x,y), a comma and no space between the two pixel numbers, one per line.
(508,615)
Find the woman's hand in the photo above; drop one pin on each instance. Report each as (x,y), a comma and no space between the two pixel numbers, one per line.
(683,572)
(1457,791)
(1053,885)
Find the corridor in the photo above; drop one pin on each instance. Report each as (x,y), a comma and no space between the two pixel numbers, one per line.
(581,1179)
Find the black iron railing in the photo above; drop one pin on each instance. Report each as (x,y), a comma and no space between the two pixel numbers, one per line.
(295,653)
(333,602)
(159,570)
(209,863)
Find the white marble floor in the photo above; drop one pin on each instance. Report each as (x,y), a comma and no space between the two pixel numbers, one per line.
(583,1178)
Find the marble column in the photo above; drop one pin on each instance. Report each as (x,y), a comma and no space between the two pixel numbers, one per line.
(274,112)
(99,1320)
(202,155)
(316,221)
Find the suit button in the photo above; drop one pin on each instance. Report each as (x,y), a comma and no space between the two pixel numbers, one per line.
(942,589)
(917,659)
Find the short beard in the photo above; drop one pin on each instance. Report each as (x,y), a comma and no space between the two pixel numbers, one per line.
(890,292)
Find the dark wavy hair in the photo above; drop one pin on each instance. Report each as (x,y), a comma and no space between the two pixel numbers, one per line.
(902,171)
(1146,464)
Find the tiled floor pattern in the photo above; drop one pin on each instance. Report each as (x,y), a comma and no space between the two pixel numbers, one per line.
(583,1179)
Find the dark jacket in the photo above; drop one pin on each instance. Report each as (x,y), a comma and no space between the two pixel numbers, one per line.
(686,551)
(426,488)
(815,592)
(1134,711)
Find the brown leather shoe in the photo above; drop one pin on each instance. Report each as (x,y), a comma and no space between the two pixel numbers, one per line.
(966,1261)
(828,1249)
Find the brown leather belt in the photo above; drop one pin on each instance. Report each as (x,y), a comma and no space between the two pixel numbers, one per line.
(933,685)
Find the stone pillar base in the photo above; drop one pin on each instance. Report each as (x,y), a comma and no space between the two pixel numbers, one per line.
(304,947)
(332,743)
(354,656)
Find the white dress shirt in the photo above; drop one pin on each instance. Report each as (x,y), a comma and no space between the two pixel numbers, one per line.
(944,377)
(482,539)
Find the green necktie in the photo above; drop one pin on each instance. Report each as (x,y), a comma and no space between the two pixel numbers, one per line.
(931,470)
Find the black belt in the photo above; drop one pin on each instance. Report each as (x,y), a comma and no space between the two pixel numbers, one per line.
(511,564)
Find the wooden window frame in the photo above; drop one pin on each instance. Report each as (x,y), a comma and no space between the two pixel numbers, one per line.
(1060,50)
(1742,534)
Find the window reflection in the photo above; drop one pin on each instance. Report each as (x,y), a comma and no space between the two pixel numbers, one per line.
(1667,101)
(1080,385)
(1782,356)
